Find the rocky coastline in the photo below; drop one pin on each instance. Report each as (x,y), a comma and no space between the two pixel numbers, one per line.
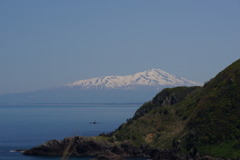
(104,150)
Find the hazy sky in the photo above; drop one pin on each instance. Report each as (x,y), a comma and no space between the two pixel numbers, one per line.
(47,43)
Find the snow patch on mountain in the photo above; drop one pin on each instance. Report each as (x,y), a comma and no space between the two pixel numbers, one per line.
(153,78)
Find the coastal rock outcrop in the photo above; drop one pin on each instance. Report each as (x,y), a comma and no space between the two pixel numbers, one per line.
(77,145)
(103,150)
(91,146)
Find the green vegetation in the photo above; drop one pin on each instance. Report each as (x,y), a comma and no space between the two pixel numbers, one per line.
(205,118)
(166,97)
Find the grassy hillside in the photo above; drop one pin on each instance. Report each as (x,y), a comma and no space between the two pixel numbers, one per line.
(161,123)
(205,118)
(216,117)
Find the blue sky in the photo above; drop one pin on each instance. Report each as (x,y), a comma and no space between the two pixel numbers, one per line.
(49,43)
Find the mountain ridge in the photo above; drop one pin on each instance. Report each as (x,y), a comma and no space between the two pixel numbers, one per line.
(153,77)
(136,88)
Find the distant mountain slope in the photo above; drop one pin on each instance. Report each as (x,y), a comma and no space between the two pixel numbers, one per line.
(154,78)
(195,120)
(134,88)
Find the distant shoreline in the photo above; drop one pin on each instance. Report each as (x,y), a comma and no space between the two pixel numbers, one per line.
(77,104)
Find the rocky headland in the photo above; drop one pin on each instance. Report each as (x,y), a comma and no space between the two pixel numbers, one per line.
(178,123)
(104,150)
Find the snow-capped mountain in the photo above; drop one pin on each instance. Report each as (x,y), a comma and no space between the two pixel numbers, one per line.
(136,88)
(154,78)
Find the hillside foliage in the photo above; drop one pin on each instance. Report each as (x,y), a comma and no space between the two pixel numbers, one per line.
(204,118)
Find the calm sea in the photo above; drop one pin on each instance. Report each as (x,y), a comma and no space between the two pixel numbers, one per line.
(27,126)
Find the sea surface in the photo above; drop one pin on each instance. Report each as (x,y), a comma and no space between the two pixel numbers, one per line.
(27,126)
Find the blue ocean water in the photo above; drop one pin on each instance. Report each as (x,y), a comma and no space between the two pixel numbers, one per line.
(27,126)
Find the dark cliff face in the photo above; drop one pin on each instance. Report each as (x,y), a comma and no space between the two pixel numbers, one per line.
(166,97)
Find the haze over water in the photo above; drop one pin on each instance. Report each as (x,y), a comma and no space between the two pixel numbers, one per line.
(24,127)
